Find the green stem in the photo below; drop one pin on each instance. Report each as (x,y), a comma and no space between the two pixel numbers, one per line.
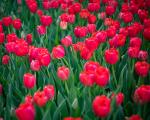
(114,76)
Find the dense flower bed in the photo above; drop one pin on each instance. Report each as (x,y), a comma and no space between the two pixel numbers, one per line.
(75,59)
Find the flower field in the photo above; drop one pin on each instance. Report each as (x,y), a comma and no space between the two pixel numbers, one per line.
(74,59)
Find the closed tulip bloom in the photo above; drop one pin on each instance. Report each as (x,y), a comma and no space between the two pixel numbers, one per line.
(72,118)
(41,30)
(142,68)
(135,117)
(7,21)
(91,28)
(58,52)
(12,37)
(127,17)
(91,43)
(17,24)
(28,99)
(91,66)
(102,76)
(1,28)
(29,38)
(67,41)
(111,56)
(2,38)
(92,19)
(5,59)
(119,98)
(84,13)
(133,52)
(101,106)
(35,65)
(135,42)
(49,91)
(63,73)
(45,60)
(101,36)
(25,111)
(80,31)
(110,10)
(10,47)
(21,47)
(146,33)
(85,53)
(29,80)
(143,55)
(93,7)
(87,78)
(46,20)
(40,98)
(142,94)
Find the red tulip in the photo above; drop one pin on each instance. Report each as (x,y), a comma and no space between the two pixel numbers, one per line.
(93,7)
(142,68)
(80,31)
(21,47)
(142,94)
(17,24)
(25,111)
(1,28)
(72,118)
(92,19)
(85,53)
(40,98)
(102,76)
(58,52)
(110,10)
(135,117)
(49,91)
(91,28)
(29,38)
(5,59)
(91,43)
(146,33)
(87,78)
(39,12)
(84,13)
(101,106)
(67,41)
(7,21)
(41,30)
(135,42)
(63,73)
(143,55)
(119,98)
(46,20)
(28,99)
(10,47)
(111,56)
(101,36)
(127,17)
(2,38)
(35,65)
(91,66)
(133,52)
(11,37)
(29,80)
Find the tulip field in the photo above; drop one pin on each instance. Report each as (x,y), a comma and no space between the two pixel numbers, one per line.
(74,59)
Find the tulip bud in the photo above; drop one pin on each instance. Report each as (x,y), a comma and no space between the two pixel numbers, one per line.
(49,91)
(5,59)
(40,98)
(63,73)
(29,80)
(25,111)
(101,106)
